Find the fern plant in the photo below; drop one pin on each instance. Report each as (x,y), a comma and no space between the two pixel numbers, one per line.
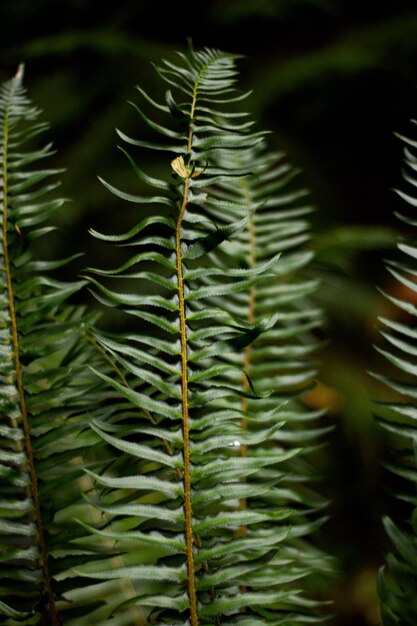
(398,579)
(45,386)
(280,359)
(192,489)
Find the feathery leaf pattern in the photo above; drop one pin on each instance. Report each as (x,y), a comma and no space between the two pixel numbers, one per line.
(177,424)
(45,387)
(398,578)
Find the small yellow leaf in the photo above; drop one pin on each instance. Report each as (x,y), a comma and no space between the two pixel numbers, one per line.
(180,168)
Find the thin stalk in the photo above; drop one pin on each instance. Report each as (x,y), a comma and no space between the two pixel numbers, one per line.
(43,553)
(190,539)
(248,349)
(188,513)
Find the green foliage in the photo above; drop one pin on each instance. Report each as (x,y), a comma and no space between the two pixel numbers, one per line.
(45,388)
(322,76)
(397,581)
(280,358)
(198,448)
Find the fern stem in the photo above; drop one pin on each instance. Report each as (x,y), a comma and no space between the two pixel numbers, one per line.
(189,539)
(188,513)
(34,490)
(248,349)
(251,320)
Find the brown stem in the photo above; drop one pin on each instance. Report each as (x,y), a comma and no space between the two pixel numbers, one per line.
(188,514)
(189,539)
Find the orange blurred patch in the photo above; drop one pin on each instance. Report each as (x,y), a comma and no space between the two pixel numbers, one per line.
(323,397)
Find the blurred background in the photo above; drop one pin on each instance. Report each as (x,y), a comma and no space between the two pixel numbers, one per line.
(333,80)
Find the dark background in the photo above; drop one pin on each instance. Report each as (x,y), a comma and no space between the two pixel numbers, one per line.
(333,80)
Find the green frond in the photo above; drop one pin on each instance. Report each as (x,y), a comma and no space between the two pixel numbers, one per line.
(198,452)
(280,359)
(398,579)
(45,386)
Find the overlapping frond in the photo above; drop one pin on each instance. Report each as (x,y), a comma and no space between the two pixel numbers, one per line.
(45,386)
(175,489)
(280,360)
(398,579)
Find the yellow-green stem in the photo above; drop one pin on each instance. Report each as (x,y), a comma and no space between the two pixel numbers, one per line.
(188,514)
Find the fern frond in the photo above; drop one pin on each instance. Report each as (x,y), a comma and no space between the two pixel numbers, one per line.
(398,579)
(175,429)
(280,359)
(44,382)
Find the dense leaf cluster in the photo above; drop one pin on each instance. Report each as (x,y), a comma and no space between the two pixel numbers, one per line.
(161,474)
(201,471)
(398,580)
(45,386)
(175,452)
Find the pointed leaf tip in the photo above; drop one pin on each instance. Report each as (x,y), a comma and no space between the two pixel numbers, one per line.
(20,71)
